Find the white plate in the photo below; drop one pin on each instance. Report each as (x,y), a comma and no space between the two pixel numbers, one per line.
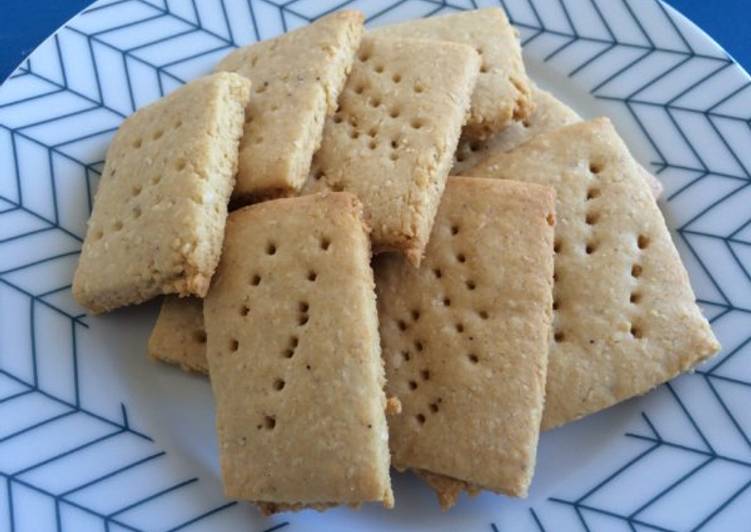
(93,436)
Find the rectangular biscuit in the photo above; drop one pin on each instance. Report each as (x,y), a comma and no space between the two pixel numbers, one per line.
(502,94)
(179,337)
(158,218)
(392,140)
(625,316)
(465,336)
(294,356)
(548,114)
(297,78)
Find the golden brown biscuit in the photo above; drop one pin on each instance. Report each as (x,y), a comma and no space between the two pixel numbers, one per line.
(294,356)
(625,317)
(297,78)
(549,114)
(465,336)
(179,337)
(447,489)
(392,140)
(502,94)
(158,219)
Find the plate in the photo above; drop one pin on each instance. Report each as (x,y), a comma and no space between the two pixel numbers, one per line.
(93,436)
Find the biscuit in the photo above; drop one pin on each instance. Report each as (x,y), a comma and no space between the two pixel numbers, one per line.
(625,315)
(271,508)
(549,114)
(392,140)
(447,489)
(294,356)
(465,336)
(297,78)
(179,337)
(159,214)
(502,94)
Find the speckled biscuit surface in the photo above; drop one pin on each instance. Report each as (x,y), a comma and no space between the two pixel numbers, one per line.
(179,337)
(549,114)
(502,94)
(297,78)
(392,140)
(625,317)
(465,336)
(294,356)
(159,213)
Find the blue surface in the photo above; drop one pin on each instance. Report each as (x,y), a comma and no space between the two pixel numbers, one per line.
(24,24)
(727,21)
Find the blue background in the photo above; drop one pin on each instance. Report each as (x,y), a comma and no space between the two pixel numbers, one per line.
(24,24)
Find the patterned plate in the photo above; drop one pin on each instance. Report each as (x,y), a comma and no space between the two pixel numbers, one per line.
(93,436)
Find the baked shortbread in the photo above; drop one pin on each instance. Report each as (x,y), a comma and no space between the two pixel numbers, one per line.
(392,141)
(294,357)
(159,213)
(465,338)
(297,78)
(502,94)
(179,337)
(625,315)
(549,114)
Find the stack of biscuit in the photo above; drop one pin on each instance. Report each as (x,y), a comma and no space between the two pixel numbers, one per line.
(537,285)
